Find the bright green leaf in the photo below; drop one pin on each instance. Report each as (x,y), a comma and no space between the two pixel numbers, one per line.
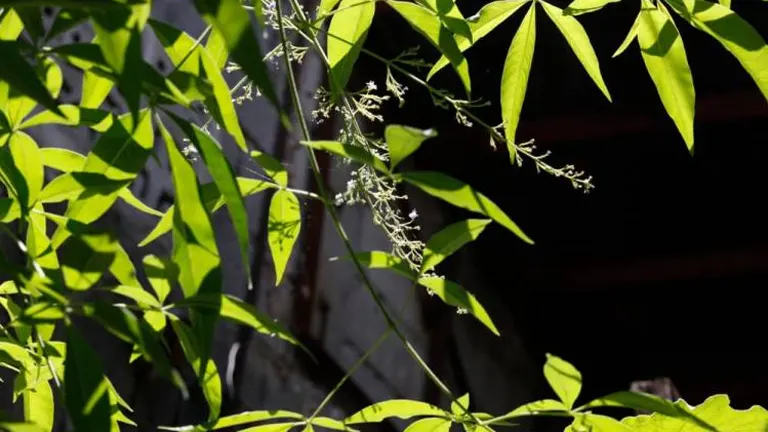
(95,89)
(21,169)
(456,406)
(596,422)
(564,379)
(271,166)
(383,260)
(357,154)
(38,402)
(577,38)
(39,244)
(540,407)
(217,49)
(402,141)
(578,7)
(118,32)
(453,294)
(87,396)
(450,16)
(19,105)
(137,294)
(41,312)
(119,155)
(346,36)
(514,79)
(430,425)
(452,238)
(714,414)
(400,408)
(666,61)
(161,274)
(208,375)
(189,57)
(461,195)
(231,20)
(253,417)
(631,35)
(283,227)
(73,115)
(733,32)
(430,26)
(10,26)
(647,402)
(224,177)
(21,77)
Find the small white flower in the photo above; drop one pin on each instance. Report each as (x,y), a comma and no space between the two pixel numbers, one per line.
(371,86)
(413,214)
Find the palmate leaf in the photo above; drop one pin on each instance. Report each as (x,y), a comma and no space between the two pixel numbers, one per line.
(429,25)
(577,38)
(487,19)
(564,379)
(346,35)
(119,154)
(514,78)
(118,32)
(189,57)
(283,229)
(231,20)
(732,31)
(664,56)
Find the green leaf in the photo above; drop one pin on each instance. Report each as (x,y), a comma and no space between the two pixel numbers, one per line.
(11,25)
(187,56)
(208,375)
(119,155)
(224,178)
(564,379)
(357,154)
(122,323)
(21,169)
(233,309)
(400,408)
(95,89)
(488,18)
(87,255)
(212,201)
(631,35)
(39,244)
(230,19)
(456,408)
(118,31)
(461,195)
(402,141)
(326,6)
(430,425)
(514,78)
(450,16)
(41,312)
(73,185)
(194,243)
(647,402)
(383,260)
(540,407)
(430,26)
(271,166)
(346,36)
(577,38)
(452,238)
(19,105)
(253,417)
(714,414)
(137,294)
(87,396)
(38,402)
(733,32)
(21,77)
(578,7)
(217,48)
(596,422)
(453,294)
(666,61)
(72,115)
(283,229)
(161,273)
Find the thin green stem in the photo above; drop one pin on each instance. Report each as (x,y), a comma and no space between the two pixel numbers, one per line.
(334,216)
